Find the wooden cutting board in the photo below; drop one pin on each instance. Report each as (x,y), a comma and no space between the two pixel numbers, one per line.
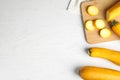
(93,37)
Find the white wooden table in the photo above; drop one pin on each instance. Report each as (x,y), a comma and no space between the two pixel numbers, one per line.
(41,40)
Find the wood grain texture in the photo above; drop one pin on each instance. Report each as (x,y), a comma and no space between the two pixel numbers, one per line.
(93,37)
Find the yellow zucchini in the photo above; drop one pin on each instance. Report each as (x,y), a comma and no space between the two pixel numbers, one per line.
(116,27)
(98,73)
(111,55)
(113,12)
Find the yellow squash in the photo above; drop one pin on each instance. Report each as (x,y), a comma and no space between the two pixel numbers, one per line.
(113,12)
(111,55)
(97,73)
(116,27)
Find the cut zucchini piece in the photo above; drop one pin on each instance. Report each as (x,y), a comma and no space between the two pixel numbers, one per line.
(99,23)
(105,33)
(89,25)
(92,10)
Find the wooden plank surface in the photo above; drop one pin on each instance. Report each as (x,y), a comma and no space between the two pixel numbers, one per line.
(93,37)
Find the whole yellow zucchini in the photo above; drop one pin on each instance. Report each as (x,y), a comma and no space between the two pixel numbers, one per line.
(97,73)
(113,12)
(112,55)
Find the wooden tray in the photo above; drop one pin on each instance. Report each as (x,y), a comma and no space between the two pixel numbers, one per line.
(93,37)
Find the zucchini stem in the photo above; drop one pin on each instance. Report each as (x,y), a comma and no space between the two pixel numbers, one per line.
(114,23)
